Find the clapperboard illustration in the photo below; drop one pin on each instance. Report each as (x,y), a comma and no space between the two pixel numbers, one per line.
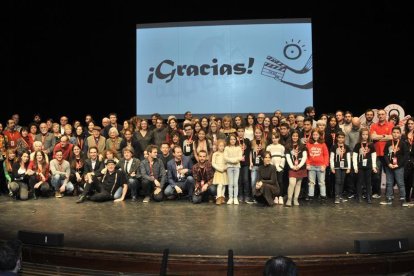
(276,69)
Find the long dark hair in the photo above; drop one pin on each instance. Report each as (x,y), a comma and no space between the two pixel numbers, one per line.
(73,159)
(35,167)
(19,160)
(289,144)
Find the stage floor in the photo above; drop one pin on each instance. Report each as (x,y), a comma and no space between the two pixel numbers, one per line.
(207,229)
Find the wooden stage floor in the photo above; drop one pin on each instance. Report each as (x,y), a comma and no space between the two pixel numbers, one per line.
(206,229)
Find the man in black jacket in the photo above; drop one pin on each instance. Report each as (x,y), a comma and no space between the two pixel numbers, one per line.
(105,189)
(153,175)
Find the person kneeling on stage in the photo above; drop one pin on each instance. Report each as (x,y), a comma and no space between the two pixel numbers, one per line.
(60,170)
(179,175)
(106,188)
(153,175)
(203,174)
(131,167)
(267,187)
(39,175)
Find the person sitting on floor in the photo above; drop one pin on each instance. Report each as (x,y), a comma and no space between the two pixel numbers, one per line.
(105,189)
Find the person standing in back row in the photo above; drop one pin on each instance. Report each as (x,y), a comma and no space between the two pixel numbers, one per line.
(380,134)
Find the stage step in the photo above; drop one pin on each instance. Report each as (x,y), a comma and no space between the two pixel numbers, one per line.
(34,269)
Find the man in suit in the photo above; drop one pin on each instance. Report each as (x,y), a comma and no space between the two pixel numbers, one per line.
(153,175)
(131,167)
(47,139)
(93,165)
(180,178)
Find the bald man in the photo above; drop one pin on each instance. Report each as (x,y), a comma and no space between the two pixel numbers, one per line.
(351,139)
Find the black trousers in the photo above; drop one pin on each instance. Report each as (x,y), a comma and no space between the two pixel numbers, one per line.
(364,179)
(409,179)
(148,187)
(43,189)
(74,181)
(339,181)
(98,190)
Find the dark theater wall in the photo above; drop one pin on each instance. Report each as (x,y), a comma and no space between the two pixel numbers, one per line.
(61,58)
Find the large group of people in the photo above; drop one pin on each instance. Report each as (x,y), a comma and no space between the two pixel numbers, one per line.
(273,160)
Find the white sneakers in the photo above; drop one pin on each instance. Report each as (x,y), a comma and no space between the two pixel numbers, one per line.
(234,201)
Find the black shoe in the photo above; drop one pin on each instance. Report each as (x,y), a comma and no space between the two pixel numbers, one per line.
(81,199)
(323,197)
(309,198)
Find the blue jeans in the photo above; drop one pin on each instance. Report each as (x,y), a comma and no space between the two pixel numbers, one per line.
(254,177)
(57,181)
(315,171)
(394,175)
(134,186)
(233,177)
(211,191)
(186,185)
(118,192)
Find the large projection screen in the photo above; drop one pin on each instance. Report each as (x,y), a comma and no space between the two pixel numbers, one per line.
(233,67)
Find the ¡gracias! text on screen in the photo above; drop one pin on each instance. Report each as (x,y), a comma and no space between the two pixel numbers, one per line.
(167,69)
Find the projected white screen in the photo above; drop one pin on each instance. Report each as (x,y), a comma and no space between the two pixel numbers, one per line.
(224,69)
